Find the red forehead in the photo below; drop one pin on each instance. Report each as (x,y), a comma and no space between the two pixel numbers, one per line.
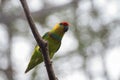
(65,23)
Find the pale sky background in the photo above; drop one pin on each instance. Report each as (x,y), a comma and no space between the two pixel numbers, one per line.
(23,47)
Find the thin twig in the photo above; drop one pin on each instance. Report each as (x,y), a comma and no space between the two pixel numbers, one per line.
(43,45)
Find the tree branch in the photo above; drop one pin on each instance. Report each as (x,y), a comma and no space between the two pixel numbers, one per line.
(43,45)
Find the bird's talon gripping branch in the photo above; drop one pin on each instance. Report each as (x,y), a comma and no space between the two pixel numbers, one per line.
(56,78)
(51,62)
(46,43)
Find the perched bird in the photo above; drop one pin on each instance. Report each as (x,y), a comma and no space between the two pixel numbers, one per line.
(53,38)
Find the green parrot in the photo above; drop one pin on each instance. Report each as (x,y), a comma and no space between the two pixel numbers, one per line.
(53,38)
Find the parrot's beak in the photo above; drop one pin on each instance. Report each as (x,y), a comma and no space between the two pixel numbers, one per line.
(65,28)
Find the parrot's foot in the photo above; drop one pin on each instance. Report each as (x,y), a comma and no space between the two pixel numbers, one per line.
(50,63)
(56,78)
(45,43)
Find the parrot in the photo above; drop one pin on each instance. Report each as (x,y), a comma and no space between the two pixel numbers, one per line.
(53,38)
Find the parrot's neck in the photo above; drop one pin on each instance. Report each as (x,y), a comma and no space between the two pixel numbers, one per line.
(57,34)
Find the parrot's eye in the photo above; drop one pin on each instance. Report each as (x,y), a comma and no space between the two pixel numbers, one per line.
(61,24)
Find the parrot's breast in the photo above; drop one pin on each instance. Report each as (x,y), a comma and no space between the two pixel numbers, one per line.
(53,45)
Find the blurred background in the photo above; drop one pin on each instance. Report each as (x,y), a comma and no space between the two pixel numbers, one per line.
(90,50)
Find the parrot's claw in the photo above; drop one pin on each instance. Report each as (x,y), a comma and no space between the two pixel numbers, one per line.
(50,63)
(56,78)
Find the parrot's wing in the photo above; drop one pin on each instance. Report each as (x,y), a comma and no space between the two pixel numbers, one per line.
(56,47)
(45,35)
(35,59)
(37,55)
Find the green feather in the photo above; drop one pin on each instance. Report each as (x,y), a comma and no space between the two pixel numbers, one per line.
(53,38)
(37,58)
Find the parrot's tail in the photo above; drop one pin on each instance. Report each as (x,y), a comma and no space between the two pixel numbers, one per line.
(32,64)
